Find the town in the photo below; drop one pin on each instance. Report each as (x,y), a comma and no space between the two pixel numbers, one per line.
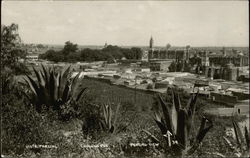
(222,75)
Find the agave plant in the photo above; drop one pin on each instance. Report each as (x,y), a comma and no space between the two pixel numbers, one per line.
(242,149)
(176,124)
(53,89)
(109,122)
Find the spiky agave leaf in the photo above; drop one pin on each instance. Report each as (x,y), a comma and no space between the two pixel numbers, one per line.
(109,117)
(44,96)
(182,134)
(166,114)
(191,106)
(116,116)
(39,91)
(39,78)
(159,121)
(203,130)
(66,92)
(80,94)
(63,79)
(74,84)
(247,139)
(32,84)
(105,113)
(238,134)
(46,72)
(174,111)
(52,88)
(176,100)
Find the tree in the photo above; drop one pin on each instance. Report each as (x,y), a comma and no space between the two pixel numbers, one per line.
(69,47)
(40,46)
(11,49)
(52,55)
(113,51)
(127,53)
(137,52)
(9,42)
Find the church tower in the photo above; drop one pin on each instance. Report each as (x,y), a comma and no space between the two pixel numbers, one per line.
(150,52)
(151,43)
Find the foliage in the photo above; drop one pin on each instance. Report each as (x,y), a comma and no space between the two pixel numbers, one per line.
(52,55)
(69,48)
(53,90)
(70,53)
(176,124)
(11,50)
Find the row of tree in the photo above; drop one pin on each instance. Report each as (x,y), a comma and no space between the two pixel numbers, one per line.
(71,53)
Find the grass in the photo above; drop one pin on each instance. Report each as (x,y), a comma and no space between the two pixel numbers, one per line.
(104,92)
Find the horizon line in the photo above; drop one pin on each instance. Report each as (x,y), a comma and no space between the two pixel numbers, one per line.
(135,45)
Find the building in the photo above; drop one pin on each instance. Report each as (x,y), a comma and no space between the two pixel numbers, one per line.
(228,72)
(238,61)
(159,65)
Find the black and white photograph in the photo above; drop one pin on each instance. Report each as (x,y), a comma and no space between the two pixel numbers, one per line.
(124,79)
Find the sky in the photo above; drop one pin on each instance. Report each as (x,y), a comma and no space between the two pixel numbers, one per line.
(128,23)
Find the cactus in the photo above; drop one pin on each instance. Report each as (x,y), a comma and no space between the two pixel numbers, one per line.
(177,122)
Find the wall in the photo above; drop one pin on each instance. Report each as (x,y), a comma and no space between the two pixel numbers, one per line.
(221,98)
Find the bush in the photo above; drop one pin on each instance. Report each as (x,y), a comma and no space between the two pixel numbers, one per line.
(22,126)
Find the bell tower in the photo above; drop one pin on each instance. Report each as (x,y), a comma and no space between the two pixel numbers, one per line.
(150,52)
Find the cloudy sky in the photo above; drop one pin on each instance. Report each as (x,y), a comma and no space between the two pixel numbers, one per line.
(195,23)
